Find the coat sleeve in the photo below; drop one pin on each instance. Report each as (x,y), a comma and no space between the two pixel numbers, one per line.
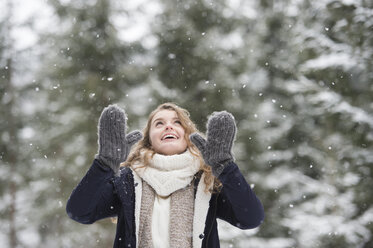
(94,197)
(237,202)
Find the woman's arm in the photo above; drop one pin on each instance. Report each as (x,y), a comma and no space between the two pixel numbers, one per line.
(94,198)
(237,202)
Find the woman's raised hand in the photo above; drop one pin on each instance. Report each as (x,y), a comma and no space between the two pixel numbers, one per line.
(113,143)
(217,149)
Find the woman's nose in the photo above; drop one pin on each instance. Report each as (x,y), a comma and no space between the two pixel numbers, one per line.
(169,126)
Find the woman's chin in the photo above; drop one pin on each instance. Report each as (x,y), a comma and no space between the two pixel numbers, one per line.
(171,151)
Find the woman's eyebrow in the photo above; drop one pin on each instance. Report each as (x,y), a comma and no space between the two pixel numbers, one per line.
(158,119)
(161,119)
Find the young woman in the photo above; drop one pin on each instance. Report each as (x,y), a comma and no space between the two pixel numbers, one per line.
(172,187)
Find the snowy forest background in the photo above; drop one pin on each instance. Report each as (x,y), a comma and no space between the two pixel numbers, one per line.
(296,74)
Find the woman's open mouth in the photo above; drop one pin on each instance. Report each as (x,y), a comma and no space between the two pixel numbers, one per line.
(169,137)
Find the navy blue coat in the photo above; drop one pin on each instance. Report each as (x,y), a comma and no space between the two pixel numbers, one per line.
(100,195)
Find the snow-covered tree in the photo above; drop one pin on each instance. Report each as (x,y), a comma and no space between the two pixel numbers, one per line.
(313,128)
(85,67)
(16,150)
(300,90)
(296,75)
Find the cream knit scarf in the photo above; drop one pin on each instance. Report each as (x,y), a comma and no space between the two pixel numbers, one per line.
(169,176)
(166,174)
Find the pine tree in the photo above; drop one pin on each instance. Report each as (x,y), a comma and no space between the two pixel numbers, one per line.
(10,126)
(85,68)
(299,89)
(316,124)
(295,74)
(190,58)
(15,152)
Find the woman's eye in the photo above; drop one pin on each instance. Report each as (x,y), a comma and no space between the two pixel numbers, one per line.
(178,122)
(158,123)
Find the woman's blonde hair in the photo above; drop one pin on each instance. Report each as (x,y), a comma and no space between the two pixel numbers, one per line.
(143,152)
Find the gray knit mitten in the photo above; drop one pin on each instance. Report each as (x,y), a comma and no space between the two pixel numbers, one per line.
(113,143)
(217,149)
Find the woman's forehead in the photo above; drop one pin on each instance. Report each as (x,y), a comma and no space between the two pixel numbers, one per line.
(165,113)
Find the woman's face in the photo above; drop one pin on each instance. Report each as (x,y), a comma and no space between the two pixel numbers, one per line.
(167,134)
